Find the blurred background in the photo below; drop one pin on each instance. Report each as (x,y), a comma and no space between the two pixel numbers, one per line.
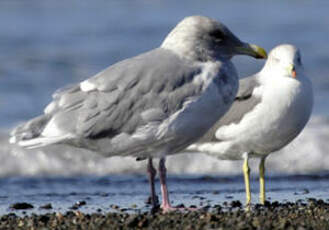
(45,45)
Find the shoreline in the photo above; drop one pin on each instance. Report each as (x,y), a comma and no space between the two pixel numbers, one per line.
(310,214)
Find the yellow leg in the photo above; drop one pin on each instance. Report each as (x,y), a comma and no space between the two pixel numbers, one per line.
(262,196)
(246,173)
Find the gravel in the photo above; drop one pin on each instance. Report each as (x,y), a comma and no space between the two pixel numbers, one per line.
(301,215)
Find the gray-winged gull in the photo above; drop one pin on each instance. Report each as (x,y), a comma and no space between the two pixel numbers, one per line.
(151,105)
(270,110)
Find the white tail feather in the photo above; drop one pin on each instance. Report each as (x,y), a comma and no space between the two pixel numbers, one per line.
(43,141)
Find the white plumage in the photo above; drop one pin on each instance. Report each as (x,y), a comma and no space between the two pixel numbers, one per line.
(275,105)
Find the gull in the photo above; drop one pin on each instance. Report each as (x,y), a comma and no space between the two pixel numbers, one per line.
(270,109)
(151,105)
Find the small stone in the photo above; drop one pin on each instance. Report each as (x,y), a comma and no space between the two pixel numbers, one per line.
(21,206)
(81,203)
(143,223)
(275,204)
(236,204)
(20,223)
(59,216)
(46,206)
(79,214)
(207,207)
(78,204)
(114,206)
(180,206)
(132,221)
(44,219)
(267,204)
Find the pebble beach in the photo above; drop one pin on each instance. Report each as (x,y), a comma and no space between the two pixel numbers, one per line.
(310,214)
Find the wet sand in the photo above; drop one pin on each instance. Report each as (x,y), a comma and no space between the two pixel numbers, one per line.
(303,214)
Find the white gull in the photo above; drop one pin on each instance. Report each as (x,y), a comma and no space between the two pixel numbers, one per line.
(270,110)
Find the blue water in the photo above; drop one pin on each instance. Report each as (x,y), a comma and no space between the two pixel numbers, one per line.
(47,44)
(129,192)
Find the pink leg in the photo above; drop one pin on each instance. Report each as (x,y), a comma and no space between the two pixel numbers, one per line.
(152,172)
(166,206)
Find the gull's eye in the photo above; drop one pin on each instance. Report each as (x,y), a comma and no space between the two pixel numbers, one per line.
(217,34)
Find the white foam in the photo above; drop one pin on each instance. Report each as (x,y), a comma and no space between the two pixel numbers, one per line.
(308,153)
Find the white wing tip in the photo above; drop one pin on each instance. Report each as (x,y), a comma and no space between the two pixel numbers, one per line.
(86,86)
(43,141)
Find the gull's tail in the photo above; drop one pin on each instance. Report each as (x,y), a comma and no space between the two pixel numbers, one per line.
(28,135)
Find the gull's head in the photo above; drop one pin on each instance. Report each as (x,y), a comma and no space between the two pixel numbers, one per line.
(202,38)
(285,60)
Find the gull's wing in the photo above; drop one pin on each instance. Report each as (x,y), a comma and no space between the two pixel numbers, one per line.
(244,102)
(117,103)
(130,94)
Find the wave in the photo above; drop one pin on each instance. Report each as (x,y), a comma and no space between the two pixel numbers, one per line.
(307,154)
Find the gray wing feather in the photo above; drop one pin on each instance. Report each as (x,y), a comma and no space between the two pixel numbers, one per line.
(244,103)
(246,87)
(128,95)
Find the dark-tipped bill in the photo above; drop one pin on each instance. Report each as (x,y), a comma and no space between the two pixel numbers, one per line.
(252,50)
